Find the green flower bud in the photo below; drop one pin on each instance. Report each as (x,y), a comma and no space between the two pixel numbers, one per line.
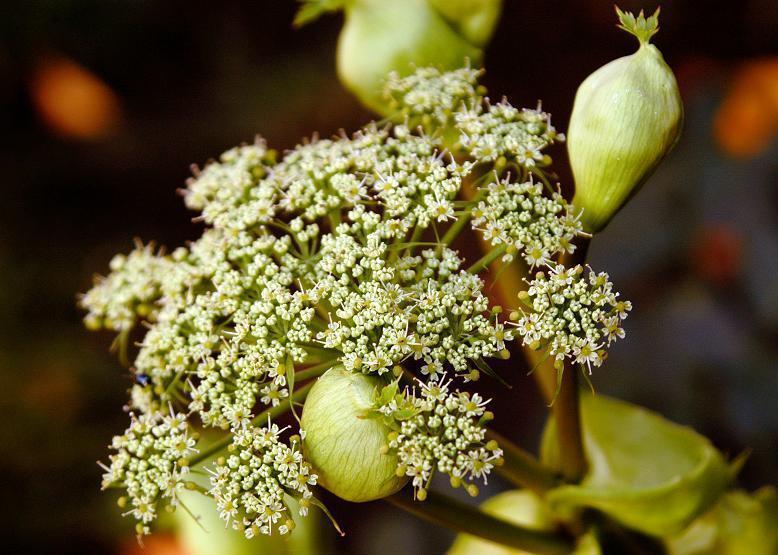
(380,37)
(343,443)
(473,19)
(627,116)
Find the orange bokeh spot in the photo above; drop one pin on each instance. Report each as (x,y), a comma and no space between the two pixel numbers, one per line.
(716,254)
(72,101)
(747,119)
(156,544)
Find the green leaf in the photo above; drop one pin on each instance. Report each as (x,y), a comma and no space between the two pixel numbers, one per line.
(647,473)
(740,524)
(405,414)
(311,10)
(388,393)
(641,26)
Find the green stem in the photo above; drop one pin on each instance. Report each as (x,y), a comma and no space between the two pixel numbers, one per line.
(314,371)
(297,397)
(521,468)
(457,227)
(566,407)
(567,415)
(451,513)
(487,259)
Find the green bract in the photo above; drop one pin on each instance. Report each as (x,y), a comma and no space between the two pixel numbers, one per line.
(342,442)
(379,37)
(627,116)
(645,472)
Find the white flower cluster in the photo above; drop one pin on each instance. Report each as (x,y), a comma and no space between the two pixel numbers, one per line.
(331,254)
(150,463)
(439,431)
(221,188)
(128,293)
(432,93)
(420,307)
(250,486)
(489,132)
(520,216)
(574,313)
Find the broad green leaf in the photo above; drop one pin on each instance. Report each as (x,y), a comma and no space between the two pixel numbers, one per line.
(645,472)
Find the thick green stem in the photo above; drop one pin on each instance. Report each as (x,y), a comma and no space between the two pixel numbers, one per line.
(566,408)
(451,513)
(567,416)
(297,397)
(521,468)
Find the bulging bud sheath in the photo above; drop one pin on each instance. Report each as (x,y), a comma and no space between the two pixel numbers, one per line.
(473,19)
(627,116)
(380,37)
(343,443)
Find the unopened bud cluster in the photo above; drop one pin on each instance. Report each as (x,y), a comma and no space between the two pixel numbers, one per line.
(430,96)
(130,292)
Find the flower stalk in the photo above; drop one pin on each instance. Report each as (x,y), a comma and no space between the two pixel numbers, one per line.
(487,259)
(566,406)
(451,513)
(521,468)
(297,397)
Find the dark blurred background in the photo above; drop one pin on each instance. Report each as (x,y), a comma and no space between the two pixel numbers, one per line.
(105,104)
